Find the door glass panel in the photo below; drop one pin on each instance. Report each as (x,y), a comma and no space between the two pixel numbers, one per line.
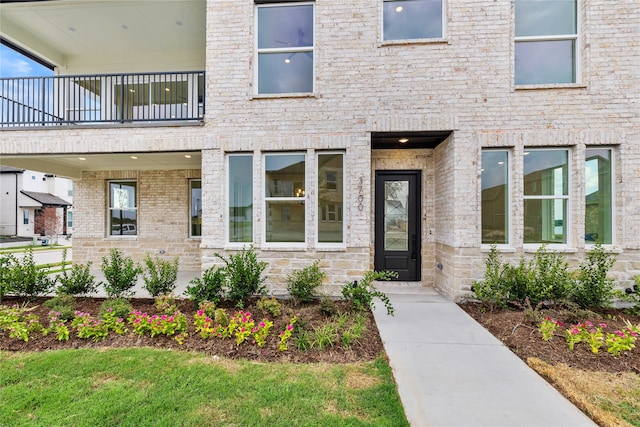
(396,199)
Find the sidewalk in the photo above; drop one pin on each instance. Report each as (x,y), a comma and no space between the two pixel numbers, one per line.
(458,374)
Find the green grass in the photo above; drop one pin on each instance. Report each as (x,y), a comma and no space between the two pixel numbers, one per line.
(142,386)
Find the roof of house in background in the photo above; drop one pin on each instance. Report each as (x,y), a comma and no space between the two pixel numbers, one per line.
(9,169)
(46,198)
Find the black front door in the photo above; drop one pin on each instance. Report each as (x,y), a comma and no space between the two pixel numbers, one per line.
(397,223)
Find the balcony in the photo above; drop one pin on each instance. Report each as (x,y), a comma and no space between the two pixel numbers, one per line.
(102,99)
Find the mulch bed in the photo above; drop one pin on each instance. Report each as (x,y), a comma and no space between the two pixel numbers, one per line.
(367,348)
(518,330)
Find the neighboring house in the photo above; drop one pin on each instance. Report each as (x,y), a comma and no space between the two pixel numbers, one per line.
(34,204)
(368,134)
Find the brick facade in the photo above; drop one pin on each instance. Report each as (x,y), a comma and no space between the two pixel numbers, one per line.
(462,83)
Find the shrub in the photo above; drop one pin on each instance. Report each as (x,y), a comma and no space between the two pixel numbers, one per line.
(328,307)
(592,288)
(221,317)
(28,279)
(165,303)
(208,307)
(6,265)
(302,284)
(361,294)
(269,305)
(208,288)
(549,277)
(492,291)
(78,280)
(244,276)
(160,275)
(63,304)
(121,274)
(118,307)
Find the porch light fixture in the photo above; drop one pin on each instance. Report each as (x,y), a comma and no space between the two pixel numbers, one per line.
(403,140)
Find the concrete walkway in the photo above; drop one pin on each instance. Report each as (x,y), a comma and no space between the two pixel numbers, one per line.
(450,371)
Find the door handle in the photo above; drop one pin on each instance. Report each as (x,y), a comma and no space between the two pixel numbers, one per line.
(414,247)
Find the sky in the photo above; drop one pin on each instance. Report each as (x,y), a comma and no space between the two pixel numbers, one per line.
(13,64)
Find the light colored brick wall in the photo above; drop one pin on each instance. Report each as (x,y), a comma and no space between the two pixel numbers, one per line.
(463,83)
(163,217)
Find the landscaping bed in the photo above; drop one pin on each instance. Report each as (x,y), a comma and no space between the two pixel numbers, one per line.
(310,318)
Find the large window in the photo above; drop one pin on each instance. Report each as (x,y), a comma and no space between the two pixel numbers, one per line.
(495,197)
(598,209)
(285,197)
(123,211)
(240,198)
(412,19)
(330,198)
(195,207)
(546,194)
(285,48)
(546,41)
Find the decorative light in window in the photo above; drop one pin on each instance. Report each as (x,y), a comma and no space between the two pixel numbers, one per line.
(399,9)
(134,157)
(403,140)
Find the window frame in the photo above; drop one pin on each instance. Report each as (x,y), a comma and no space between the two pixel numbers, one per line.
(339,207)
(292,50)
(575,38)
(508,201)
(567,197)
(229,196)
(191,181)
(302,199)
(612,218)
(443,25)
(25,216)
(111,208)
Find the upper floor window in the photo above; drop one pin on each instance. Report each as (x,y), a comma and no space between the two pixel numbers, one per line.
(598,197)
(123,210)
(546,40)
(546,195)
(495,197)
(285,48)
(412,19)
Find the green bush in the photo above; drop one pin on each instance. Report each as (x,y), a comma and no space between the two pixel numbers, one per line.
(361,294)
(121,274)
(28,279)
(244,276)
(76,281)
(209,308)
(209,287)
(63,304)
(592,288)
(120,307)
(328,307)
(6,266)
(165,303)
(545,278)
(492,291)
(160,276)
(269,305)
(302,284)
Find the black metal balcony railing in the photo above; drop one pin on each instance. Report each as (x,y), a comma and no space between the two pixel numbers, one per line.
(103,98)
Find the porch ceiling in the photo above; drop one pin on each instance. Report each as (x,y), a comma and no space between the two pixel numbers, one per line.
(72,165)
(78,31)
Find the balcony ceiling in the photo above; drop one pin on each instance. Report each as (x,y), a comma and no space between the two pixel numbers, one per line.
(72,165)
(74,33)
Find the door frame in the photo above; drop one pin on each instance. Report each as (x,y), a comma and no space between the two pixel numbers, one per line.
(415,216)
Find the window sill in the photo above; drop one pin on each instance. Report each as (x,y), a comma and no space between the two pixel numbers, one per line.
(531,248)
(501,248)
(551,86)
(386,43)
(259,96)
(121,238)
